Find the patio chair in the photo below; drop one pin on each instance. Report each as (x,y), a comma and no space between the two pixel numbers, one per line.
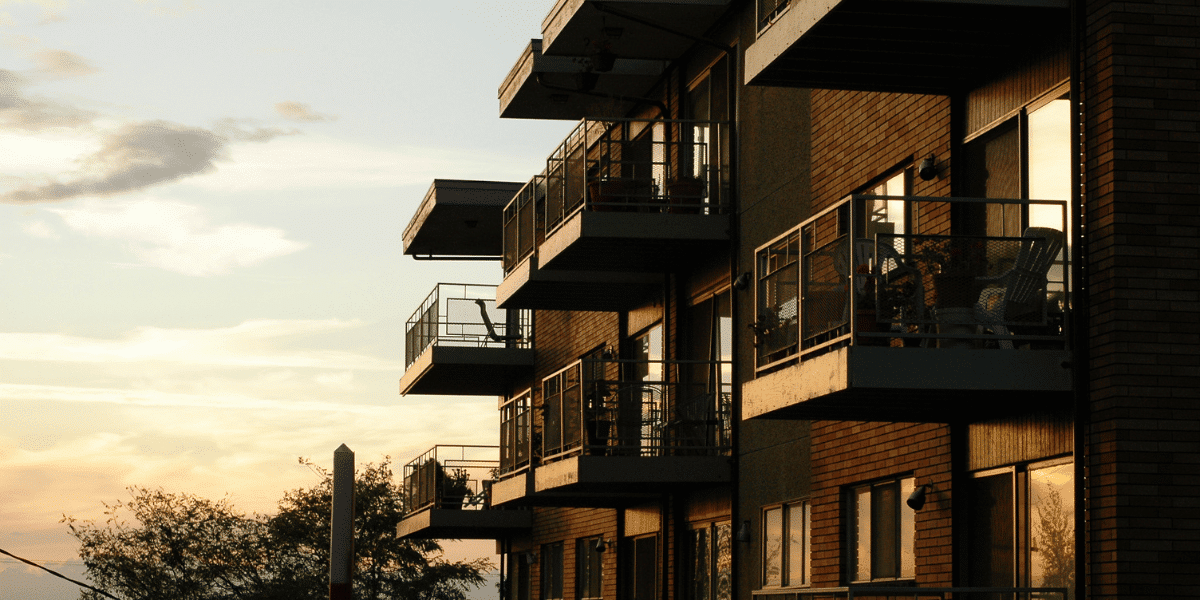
(491,328)
(1020,292)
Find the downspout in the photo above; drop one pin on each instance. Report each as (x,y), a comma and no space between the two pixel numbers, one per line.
(1079,321)
(735,396)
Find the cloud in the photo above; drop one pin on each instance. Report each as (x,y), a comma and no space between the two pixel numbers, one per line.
(256,343)
(39,229)
(133,157)
(298,111)
(33,114)
(178,237)
(63,64)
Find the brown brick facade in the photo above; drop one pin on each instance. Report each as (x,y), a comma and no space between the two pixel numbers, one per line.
(1142,188)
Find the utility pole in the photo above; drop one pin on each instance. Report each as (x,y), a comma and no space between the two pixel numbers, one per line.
(341,535)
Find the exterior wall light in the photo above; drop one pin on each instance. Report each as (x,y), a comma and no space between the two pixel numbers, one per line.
(916,499)
(928,168)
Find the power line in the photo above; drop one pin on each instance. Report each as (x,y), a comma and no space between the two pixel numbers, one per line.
(59,575)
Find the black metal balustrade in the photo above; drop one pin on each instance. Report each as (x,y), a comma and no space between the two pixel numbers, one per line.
(451,478)
(610,407)
(847,276)
(621,166)
(465,315)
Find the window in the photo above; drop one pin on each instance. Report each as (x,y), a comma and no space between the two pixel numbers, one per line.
(711,562)
(769,10)
(1025,157)
(641,568)
(881,528)
(552,571)
(787,555)
(1021,526)
(589,568)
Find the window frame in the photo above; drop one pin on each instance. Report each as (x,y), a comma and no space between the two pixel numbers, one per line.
(589,569)
(552,572)
(903,537)
(713,576)
(788,542)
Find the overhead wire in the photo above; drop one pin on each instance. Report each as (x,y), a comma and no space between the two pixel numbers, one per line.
(59,575)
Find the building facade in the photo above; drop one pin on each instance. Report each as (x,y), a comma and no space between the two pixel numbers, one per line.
(856,298)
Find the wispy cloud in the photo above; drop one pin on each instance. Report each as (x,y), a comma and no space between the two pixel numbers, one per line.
(62,63)
(40,229)
(177,237)
(257,343)
(24,112)
(298,111)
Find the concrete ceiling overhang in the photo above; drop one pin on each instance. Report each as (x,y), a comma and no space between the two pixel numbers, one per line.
(569,88)
(460,218)
(911,46)
(629,28)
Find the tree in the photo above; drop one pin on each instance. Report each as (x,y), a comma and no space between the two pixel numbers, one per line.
(180,546)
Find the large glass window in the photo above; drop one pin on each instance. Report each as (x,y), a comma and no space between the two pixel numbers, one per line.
(1021,527)
(787,555)
(589,568)
(552,571)
(881,531)
(711,562)
(641,568)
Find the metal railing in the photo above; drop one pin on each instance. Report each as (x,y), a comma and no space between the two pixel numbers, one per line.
(450,477)
(610,407)
(846,276)
(516,433)
(451,316)
(916,593)
(621,165)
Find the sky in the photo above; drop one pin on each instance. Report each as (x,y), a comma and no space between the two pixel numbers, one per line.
(201,209)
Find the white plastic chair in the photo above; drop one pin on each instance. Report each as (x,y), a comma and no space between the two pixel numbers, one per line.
(1020,290)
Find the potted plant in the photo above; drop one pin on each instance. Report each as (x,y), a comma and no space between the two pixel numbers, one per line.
(454,487)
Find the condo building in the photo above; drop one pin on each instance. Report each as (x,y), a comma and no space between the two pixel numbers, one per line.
(830,299)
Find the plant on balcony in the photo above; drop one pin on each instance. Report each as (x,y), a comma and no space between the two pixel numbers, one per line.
(454,486)
(955,264)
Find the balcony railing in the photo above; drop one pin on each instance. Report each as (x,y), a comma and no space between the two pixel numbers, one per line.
(915,593)
(608,407)
(847,277)
(516,428)
(454,315)
(621,166)
(451,478)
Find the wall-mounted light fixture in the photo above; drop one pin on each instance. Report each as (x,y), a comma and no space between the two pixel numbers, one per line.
(601,545)
(743,281)
(530,558)
(743,532)
(916,500)
(928,168)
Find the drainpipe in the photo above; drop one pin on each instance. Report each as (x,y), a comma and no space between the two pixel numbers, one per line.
(1079,313)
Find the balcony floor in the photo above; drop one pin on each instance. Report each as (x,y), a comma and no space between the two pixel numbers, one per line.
(467,371)
(528,286)
(443,524)
(908,46)
(863,383)
(632,242)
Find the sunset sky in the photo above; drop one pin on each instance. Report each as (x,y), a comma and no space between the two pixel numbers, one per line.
(200,256)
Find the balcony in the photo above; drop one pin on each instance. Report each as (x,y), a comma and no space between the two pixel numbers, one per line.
(915,321)
(458,343)
(899,45)
(619,200)
(571,88)
(653,29)
(614,431)
(447,496)
(459,218)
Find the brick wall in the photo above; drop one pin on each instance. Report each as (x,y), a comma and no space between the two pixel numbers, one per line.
(845,453)
(857,137)
(1142,189)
